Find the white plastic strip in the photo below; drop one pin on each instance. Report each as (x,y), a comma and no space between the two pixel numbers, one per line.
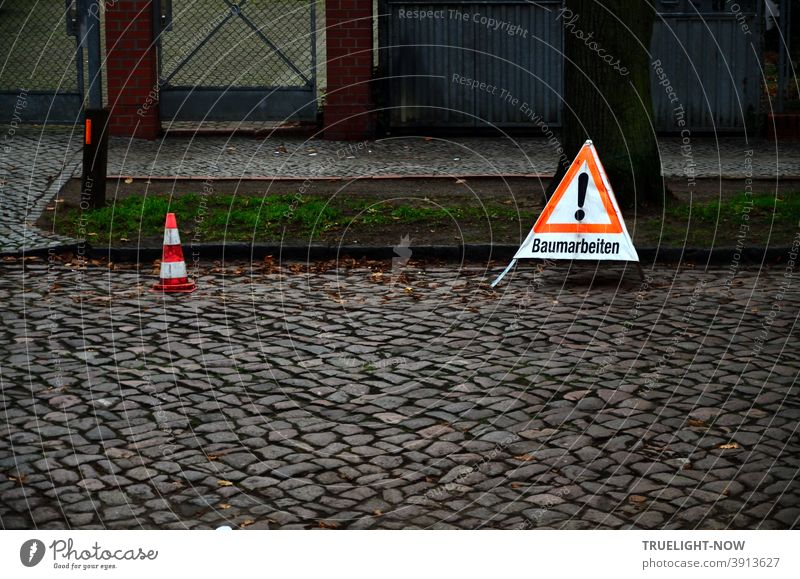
(505,271)
(172,270)
(172,237)
(723,554)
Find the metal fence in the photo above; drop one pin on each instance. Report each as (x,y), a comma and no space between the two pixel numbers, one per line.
(710,50)
(431,51)
(251,60)
(39,59)
(711,56)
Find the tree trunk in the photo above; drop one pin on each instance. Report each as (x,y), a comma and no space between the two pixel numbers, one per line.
(607,95)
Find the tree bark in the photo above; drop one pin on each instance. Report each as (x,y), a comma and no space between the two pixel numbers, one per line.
(607,95)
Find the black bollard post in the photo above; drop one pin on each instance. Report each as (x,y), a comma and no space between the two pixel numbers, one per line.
(95,159)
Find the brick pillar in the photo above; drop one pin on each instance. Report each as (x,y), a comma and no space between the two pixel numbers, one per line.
(132,69)
(348,109)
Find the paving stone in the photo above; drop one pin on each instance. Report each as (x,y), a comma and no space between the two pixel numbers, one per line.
(442,448)
(307,493)
(287,448)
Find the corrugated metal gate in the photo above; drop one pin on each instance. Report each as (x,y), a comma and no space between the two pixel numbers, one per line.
(41,74)
(516,47)
(221,60)
(711,52)
(431,52)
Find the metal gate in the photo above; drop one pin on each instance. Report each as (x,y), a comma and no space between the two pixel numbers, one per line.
(711,55)
(251,60)
(710,50)
(41,70)
(432,52)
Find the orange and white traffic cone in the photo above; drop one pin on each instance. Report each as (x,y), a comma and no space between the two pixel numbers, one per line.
(173,268)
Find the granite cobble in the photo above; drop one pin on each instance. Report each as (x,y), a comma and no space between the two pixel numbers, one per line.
(486,422)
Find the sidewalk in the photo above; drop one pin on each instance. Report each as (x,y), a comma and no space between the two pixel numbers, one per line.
(37,163)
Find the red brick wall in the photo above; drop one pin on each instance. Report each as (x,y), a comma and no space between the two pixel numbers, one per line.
(132,69)
(348,109)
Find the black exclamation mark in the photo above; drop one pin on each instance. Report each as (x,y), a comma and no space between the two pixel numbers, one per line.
(583,182)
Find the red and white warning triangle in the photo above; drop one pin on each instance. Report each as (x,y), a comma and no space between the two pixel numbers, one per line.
(581,220)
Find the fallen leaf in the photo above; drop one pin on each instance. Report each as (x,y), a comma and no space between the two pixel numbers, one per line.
(696,422)
(515,485)
(327,525)
(129,180)
(246,523)
(224,483)
(728,446)
(377,513)
(224,506)
(20,480)
(524,458)
(637,499)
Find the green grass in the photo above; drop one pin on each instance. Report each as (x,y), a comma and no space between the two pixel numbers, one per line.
(760,206)
(764,217)
(213,217)
(217,217)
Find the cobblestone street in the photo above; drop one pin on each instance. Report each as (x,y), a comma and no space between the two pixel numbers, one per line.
(358,398)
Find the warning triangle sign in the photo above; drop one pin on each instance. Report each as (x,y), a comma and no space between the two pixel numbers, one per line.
(582,219)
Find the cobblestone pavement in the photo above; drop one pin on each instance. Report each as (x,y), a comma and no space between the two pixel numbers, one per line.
(356,398)
(243,156)
(32,171)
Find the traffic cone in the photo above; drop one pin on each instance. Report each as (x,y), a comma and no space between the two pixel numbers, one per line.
(173,268)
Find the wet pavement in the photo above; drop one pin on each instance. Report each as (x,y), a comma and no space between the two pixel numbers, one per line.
(372,396)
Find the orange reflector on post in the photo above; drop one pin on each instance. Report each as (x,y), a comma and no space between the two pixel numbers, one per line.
(88,136)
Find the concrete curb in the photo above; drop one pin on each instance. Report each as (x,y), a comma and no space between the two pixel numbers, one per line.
(450,253)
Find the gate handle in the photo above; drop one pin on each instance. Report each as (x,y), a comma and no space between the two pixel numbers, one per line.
(166,14)
(71,17)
